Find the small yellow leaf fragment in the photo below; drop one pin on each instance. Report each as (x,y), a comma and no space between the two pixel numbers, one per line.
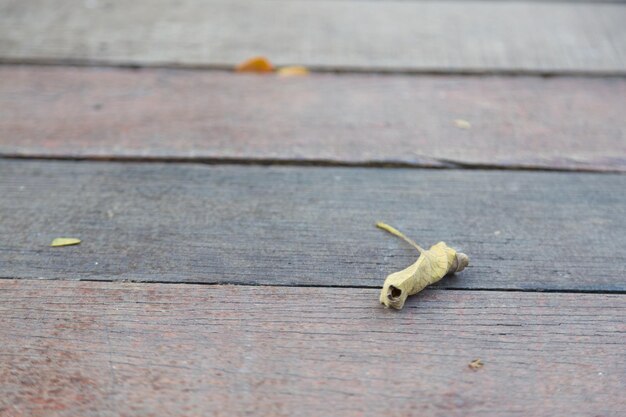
(462,124)
(292,71)
(476,364)
(255,64)
(65,241)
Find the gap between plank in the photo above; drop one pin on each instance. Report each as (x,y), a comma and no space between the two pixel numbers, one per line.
(347,70)
(432,163)
(362,287)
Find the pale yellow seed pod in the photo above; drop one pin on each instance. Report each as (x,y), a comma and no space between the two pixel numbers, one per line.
(431,266)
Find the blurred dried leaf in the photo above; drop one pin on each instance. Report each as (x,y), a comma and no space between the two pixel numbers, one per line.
(293,71)
(256,64)
(65,241)
(462,124)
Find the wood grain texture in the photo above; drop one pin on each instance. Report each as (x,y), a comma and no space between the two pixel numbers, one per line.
(111,349)
(309,226)
(552,123)
(449,36)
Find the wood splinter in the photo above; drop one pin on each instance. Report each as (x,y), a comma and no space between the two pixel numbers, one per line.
(432,265)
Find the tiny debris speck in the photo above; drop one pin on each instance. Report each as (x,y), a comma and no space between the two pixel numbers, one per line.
(476,364)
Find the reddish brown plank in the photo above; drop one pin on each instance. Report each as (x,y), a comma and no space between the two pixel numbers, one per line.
(104,349)
(555,123)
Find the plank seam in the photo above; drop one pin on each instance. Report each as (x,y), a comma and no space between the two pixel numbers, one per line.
(436,163)
(361,287)
(474,72)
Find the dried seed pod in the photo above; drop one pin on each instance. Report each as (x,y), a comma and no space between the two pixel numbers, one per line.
(432,265)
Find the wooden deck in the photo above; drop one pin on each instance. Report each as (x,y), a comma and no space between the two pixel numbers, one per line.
(229,262)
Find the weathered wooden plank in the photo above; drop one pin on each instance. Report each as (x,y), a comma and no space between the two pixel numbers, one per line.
(111,349)
(394,35)
(308,226)
(553,123)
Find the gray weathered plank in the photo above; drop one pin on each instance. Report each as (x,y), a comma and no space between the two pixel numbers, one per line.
(553,123)
(307,225)
(394,35)
(113,349)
